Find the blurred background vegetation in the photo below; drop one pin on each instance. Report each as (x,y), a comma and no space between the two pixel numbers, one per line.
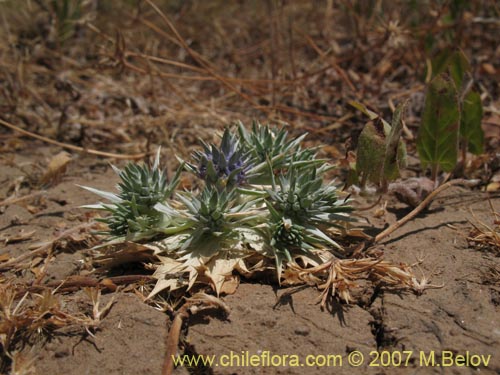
(126,75)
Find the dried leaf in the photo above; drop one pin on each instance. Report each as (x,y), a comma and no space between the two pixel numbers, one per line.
(356,232)
(165,284)
(380,152)
(230,285)
(218,270)
(56,168)
(371,153)
(392,162)
(493,186)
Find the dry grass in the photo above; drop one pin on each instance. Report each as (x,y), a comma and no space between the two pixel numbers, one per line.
(485,236)
(35,316)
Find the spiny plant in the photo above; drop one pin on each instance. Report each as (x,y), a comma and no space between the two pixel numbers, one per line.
(222,166)
(132,212)
(262,194)
(272,146)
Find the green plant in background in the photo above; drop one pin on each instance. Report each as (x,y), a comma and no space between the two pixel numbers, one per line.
(262,194)
(437,142)
(67,13)
(452,114)
(451,120)
(381,153)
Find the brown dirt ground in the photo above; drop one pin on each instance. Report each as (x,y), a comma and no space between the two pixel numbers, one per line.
(124,83)
(462,316)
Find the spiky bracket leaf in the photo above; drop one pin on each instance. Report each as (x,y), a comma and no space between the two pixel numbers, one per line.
(271,150)
(223,165)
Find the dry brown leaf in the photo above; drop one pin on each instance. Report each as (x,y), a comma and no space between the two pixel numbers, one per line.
(230,285)
(358,233)
(123,253)
(291,276)
(56,169)
(493,186)
(489,68)
(218,270)
(165,284)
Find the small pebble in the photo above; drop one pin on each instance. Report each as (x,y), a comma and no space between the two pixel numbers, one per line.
(302,331)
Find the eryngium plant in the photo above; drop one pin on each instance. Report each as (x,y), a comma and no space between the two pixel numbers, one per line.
(132,212)
(222,166)
(302,196)
(262,194)
(272,148)
(212,218)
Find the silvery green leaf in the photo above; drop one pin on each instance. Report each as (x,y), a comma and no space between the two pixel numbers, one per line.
(103,194)
(319,234)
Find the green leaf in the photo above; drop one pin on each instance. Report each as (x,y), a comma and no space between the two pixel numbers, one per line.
(470,122)
(381,152)
(453,61)
(437,142)
(361,107)
(391,161)
(104,194)
(459,66)
(370,154)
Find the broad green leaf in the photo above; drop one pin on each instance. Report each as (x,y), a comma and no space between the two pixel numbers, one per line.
(437,142)
(459,66)
(391,164)
(455,62)
(370,154)
(381,152)
(470,122)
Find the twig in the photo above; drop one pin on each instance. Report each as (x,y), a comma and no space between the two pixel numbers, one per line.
(73,283)
(332,62)
(70,147)
(14,200)
(366,208)
(173,339)
(193,305)
(420,207)
(198,58)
